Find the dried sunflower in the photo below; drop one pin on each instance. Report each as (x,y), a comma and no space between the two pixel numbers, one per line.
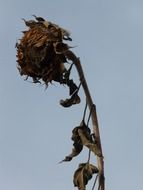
(41,53)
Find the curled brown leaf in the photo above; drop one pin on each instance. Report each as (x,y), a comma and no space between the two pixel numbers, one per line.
(83,134)
(83,174)
(89,143)
(75,151)
(75,99)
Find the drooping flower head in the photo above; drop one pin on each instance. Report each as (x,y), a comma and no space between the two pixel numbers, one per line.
(41,53)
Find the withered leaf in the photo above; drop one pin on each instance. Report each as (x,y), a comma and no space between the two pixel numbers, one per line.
(83,135)
(87,141)
(83,174)
(75,151)
(77,145)
(75,134)
(75,99)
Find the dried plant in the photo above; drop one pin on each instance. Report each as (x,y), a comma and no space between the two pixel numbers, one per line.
(43,55)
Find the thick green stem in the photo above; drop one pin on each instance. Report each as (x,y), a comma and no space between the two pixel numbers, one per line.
(70,55)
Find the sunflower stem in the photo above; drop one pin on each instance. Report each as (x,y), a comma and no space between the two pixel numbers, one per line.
(71,56)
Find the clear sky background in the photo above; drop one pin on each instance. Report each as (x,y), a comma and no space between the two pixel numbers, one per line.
(35,130)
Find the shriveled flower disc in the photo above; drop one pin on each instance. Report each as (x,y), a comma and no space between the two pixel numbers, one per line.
(40,52)
(41,55)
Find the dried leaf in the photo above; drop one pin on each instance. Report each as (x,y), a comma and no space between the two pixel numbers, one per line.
(83,174)
(75,134)
(78,146)
(83,135)
(87,141)
(75,151)
(79,178)
(75,99)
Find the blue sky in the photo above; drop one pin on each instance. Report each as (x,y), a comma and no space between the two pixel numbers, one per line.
(35,131)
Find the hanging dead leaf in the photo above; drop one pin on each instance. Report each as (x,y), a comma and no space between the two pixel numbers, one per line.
(75,135)
(83,174)
(78,146)
(75,99)
(82,134)
(75,151)
(89,143)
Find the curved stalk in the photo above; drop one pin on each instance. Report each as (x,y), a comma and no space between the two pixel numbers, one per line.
(70,55)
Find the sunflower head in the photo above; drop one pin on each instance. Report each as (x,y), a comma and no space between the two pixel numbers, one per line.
(40,51)
(41,55)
